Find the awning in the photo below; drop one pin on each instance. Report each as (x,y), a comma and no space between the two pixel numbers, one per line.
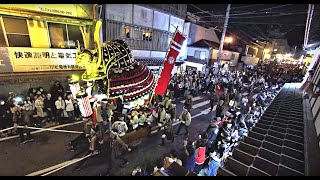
(154,61)
(196,60)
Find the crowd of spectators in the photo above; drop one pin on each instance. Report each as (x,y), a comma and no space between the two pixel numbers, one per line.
(240,99)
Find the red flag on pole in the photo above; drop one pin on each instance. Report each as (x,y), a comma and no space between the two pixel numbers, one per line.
(169,62)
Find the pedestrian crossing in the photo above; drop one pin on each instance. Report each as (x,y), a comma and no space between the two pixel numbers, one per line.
(193,99)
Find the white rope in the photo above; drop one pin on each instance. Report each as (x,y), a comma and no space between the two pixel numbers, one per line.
(42,171)
(69,164)
(48,129)
(42,130)
(3,130)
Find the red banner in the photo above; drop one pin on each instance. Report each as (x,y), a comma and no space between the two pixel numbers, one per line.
(169,62)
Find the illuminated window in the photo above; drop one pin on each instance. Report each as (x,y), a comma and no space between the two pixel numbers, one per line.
(74,35)
(203,55)
(64,36)
(200,54)
(17,32)
(147,35)
(127,31)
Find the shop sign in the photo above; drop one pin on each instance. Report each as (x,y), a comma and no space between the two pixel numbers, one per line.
(71,10)
(42,59)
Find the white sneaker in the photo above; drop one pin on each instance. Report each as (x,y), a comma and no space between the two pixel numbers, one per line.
(95,152)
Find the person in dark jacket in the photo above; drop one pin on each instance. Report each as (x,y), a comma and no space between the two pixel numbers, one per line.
(5,115)
(50,107)
(190,159)
(212,100)
(188,103)
(219,110)
(56,90)
(120,105)
(212,131)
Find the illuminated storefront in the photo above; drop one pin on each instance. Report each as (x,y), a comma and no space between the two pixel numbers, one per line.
(45,26)
(42,39)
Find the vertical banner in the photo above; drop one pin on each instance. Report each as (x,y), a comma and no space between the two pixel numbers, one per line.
(169,62)
(74,88)
(85,107)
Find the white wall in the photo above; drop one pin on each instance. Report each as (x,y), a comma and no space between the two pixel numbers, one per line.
(176,22)
(198,32)
(140,53)
(186,29)
(234,62)
(196,65)
(158,54)
(191,51)
(250,60)
(116,12)
(161,21)
(225,55)
(142,16)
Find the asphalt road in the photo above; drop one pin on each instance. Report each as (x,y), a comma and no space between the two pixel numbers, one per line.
(50,148)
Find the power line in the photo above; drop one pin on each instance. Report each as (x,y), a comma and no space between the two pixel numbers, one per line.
(283,34)
(252,12)
(246,6)
(288,14)
(252,31)
(201,9)
(257,13)
(257,23)
(261,10)
(261,32)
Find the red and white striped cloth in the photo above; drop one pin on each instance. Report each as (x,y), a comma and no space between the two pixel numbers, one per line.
(85,106)
(74,88)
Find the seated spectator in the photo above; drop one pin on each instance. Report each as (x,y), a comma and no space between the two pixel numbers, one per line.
(149,116)
(173,157)
(134,120)
(213,166)
(142,117)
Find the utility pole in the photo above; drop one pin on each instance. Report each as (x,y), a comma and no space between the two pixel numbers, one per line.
(223,34)
(295,49)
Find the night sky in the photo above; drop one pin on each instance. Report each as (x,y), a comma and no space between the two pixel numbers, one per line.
(252,22)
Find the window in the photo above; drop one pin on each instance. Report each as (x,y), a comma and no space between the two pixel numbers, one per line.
(65,35)
(74,35)
(200,54)
(137,37)
(203,55)
(127,31)
(137,33)
(147,35)
(17,32)
(2,38)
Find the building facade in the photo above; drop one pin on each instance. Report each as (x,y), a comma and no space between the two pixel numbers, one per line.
(203,47)
(38,42)
(146,28)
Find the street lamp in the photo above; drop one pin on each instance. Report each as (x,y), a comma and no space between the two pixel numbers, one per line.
(228,40)
(266,51)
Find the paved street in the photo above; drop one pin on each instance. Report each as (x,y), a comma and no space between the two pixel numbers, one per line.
(50,148)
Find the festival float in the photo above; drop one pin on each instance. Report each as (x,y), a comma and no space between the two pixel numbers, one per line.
(112,72)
